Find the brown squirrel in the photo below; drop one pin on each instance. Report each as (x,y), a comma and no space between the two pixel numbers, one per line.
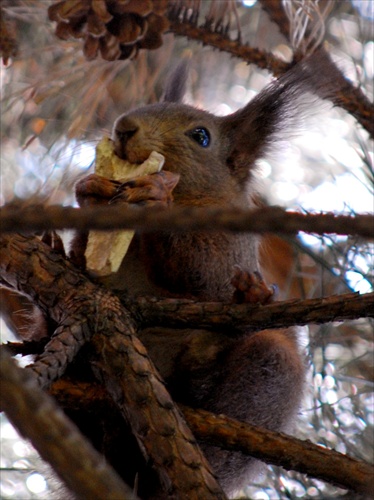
(256,377)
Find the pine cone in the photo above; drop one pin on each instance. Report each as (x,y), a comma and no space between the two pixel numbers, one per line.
(116,29)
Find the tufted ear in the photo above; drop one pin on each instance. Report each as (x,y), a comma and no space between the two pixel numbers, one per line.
(176,85)
(275,111)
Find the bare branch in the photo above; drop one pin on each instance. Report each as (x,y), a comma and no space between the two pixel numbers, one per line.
(279,449)
(277,14)
(262,59)
(178,218)
(188,313)
(37,417)
(271,447)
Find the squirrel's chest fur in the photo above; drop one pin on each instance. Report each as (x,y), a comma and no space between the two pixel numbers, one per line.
(198,264)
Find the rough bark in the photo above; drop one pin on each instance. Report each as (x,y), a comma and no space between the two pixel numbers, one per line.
(188,313)
(271,447)
(84,310)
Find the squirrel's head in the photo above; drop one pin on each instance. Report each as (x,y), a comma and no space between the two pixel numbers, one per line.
(192,141)
(214,155)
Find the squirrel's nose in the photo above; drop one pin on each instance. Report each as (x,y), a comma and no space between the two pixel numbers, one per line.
(124,129)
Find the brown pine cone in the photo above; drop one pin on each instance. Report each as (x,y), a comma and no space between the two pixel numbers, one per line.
(115,29)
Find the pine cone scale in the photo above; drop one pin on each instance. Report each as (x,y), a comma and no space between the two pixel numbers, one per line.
(115,29)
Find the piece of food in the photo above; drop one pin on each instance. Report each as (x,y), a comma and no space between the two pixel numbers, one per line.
(105,251)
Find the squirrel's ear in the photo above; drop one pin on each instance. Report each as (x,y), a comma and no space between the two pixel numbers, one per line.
(277,109)
(252,130)
(176,85)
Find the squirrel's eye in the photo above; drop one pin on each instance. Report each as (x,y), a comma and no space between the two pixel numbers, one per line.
(201,136)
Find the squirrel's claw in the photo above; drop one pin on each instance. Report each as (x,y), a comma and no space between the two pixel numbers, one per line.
(148,189)
(251,288)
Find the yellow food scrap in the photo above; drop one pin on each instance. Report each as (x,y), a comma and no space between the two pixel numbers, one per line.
(105,251)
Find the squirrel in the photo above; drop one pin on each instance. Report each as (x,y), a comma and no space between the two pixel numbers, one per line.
(256,377)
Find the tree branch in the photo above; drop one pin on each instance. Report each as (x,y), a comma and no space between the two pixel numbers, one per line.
(187,313)
(279,449)
(54,284)
(277,15)
(122,362)
(36,416)
(347,96)
(177,218)
(262,58)
(183,313)
(218,430)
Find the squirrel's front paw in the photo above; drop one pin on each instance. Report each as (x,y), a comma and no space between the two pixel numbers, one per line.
(251,288)
(148,189)
(95,189)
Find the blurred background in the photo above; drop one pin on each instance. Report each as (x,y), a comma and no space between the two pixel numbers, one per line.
(56,104)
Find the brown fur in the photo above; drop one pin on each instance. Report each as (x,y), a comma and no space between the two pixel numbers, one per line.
(255,377)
